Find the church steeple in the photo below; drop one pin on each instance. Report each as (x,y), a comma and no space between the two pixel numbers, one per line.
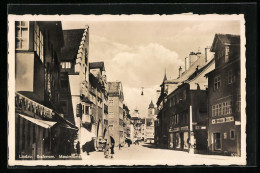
(151,105)
(165,77)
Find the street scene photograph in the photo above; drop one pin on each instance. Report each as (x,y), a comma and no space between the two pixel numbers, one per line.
(127,90)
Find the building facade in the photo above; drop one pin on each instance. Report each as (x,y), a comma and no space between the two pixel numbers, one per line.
(98,95)
(84,93)
(177,95)
(149,123)
(40,127)
(115,112)
(224,98)
(75,82)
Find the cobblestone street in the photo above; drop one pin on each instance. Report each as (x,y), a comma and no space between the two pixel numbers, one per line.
(148,154)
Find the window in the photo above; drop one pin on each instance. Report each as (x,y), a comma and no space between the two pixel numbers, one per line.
(217,141)
(65,65)
(224,108)
(213,110)
(21,35)
(230,77)
(217,82)
(229,108)
(220,109)
(232,134)
(226,54)
(38,41)
(87,110)
(111,102)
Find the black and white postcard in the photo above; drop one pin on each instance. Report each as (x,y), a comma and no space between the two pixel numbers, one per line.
(127,89)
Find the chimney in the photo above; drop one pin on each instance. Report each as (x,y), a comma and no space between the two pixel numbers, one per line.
(180,69)
(186,63)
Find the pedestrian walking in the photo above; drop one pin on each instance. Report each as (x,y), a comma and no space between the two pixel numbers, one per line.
(106,151)
(78,147)
(112,152)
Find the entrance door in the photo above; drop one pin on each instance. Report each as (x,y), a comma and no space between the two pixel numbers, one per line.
(182,140)
(217,141)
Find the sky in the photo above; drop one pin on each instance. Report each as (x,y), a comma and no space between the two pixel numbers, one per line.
(137,50)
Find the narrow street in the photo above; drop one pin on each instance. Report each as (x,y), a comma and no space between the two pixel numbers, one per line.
(148,154)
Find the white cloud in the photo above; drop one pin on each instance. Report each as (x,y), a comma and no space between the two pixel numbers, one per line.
(144,66)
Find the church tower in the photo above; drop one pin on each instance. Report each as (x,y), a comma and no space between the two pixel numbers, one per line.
(151,110)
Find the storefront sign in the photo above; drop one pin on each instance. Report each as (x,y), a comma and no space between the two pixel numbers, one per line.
(222,120)
(200,127)
(185,128)
(229,119)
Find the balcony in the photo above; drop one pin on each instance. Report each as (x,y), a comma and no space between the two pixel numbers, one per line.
(32,108)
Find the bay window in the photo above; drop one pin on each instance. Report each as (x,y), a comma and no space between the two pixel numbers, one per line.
(21,35)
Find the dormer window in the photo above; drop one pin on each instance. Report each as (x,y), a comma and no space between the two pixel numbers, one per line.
(227,54)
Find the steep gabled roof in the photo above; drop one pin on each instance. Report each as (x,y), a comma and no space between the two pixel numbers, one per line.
(199,71)
(72,39)
(226,39)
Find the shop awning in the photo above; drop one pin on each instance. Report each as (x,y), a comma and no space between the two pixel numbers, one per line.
(42,123)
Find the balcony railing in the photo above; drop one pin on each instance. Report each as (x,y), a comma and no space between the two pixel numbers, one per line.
(26,105)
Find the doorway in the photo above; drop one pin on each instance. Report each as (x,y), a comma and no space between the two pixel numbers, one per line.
(217,141)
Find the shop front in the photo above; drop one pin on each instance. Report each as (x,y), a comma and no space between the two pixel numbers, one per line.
(179,138)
